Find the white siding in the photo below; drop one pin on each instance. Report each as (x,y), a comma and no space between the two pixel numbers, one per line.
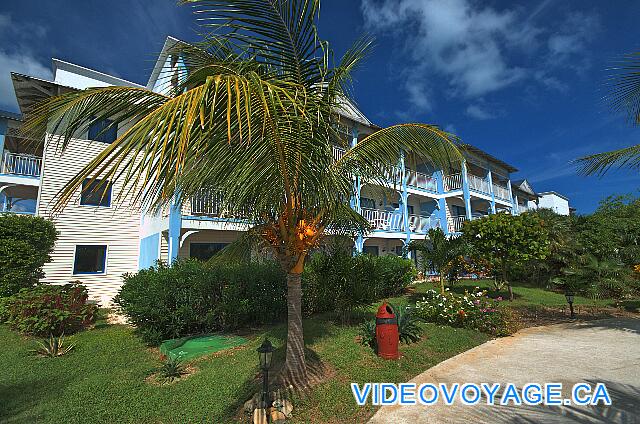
(117,226)
(554,202)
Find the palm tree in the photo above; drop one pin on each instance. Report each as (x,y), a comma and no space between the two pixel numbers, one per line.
(625,98)
(253,116)
(439,252)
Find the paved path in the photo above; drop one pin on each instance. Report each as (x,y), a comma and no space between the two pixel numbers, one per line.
(605,351)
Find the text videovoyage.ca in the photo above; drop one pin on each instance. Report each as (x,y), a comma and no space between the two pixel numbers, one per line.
(474,394)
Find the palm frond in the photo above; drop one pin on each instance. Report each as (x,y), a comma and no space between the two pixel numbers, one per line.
(625,88)
(600,163)
(280,32)
(377,154)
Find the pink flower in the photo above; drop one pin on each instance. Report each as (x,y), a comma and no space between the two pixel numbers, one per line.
(499,298)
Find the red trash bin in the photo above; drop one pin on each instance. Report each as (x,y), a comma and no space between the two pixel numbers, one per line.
(387,336)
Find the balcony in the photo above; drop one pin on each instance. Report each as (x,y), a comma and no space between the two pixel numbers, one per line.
(501,192)
(419,180)
(452,182)
(478,184)
(392,221)
(21,165)
(338,152)
(209,204)
(455,223)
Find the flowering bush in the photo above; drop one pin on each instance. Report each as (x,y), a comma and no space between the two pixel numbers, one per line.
(472,310)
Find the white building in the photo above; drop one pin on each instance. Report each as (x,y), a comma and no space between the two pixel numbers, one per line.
(554,201)
(102,238)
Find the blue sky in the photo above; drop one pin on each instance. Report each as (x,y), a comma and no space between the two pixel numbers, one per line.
(523,80)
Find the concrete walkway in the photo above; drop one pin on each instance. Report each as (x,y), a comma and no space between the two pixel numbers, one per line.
(605,351)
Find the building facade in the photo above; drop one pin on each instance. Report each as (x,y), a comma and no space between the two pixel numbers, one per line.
(104,236)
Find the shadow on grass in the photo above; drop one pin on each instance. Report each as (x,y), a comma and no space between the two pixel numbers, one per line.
(315,329)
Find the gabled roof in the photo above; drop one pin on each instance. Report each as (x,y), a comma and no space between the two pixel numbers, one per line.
(523,185)
(91,74)
(348,109)
(486,156)
(169,43)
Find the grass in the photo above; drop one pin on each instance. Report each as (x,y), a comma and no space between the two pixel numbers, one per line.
(103,378)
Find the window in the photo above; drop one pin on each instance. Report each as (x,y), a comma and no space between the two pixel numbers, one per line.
(370,250)
(204,251)
(365,202)
(90,259)
(103,131)
(96,193)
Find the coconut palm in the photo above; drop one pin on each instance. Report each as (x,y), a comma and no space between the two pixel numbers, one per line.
(251,114)
(625,98)
(439,252)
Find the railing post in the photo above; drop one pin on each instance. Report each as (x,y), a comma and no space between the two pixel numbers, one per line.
(493,196)
(465,189)
(357,187)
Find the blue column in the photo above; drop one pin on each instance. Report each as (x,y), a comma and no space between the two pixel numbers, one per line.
(465,190)
(514,210)
(149,251)
(514,206)
(404,196)
(3,131)
(442,202)
(175,225)
(493,197)
(357,187)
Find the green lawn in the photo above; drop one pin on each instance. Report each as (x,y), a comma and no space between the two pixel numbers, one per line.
(103,379)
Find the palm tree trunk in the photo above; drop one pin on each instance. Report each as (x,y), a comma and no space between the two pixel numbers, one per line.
(295,371)
(504,280)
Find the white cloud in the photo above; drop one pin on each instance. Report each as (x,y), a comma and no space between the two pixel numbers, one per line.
(18,57)
(479,112)
(477,49)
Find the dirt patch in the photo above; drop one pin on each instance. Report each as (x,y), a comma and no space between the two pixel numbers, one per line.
(534,316)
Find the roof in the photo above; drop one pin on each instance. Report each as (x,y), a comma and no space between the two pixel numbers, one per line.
(31,90)
(524,186)
(169,43)
(488,157)
(553,193)
(90,73)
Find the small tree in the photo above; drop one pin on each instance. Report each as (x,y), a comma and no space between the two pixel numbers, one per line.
(439,252)
(25,245)
(506,240)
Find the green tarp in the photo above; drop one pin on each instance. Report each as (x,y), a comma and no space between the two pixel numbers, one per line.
(192,347)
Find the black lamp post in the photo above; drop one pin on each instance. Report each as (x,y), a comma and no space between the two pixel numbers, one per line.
(569,295)
(265,352)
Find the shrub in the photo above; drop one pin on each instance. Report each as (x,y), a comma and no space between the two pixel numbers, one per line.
(53,347)
(25,245)
(473,310)
(50,310)
(191,297)
(338,281)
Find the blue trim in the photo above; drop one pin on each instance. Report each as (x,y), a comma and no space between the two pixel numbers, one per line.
(493,197)
(465,190)
(355,199)
(3,131)
(404,198)
(29,177)
(149,251)
(175,227)
(215,219)
(442,203)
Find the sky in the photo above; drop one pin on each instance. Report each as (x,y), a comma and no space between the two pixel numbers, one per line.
(523,80)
